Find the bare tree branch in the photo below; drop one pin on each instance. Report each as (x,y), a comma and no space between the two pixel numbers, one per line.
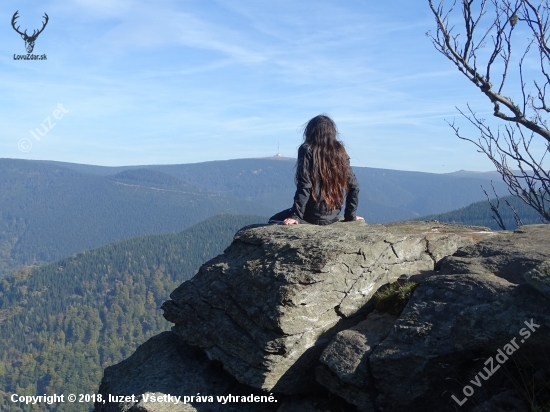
(494,208)
(517,219)
(510,146)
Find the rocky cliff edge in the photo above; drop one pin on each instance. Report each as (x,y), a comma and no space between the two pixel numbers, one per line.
(284,320)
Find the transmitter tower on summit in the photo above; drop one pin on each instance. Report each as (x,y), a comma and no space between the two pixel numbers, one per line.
(278,150)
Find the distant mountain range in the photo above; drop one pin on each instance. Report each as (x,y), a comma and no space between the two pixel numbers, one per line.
(49,210)
(386,195)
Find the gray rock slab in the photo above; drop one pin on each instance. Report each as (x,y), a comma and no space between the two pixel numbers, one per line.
(454,323)
(508,255)
(360,397)
(486,296)
(268,306)
(346,371)
(166,366)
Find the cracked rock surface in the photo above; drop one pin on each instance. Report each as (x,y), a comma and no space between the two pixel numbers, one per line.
(268,306)
(288,310)
(345,370)
(488,297)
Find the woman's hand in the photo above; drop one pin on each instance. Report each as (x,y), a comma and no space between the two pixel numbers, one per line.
(290,221)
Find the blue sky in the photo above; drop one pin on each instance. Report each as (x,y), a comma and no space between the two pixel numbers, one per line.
(189,81)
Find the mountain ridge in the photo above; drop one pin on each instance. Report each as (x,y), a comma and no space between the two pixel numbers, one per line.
(48,212)
(50,209)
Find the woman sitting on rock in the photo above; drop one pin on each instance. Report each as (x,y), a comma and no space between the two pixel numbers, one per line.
(323,174)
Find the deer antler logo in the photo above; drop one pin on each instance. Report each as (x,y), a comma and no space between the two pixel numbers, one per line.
(29,40)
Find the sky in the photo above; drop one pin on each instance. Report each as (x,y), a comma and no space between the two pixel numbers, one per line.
(137,82)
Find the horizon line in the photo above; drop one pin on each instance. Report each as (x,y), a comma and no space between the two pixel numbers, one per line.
(274,157)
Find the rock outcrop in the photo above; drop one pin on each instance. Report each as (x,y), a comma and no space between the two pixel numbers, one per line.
(286,309)
(275,298)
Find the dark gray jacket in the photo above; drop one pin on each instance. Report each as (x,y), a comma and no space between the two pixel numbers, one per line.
(316,212)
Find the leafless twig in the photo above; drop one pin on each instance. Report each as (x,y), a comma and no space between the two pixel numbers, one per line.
(484,54)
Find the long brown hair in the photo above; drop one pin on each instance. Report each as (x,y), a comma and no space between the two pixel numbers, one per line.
(330,163)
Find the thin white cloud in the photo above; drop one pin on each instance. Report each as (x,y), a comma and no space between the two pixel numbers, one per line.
(184,81)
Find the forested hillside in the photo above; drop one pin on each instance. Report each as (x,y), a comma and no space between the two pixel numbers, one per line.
(63,323)
(48,212)
(480,214)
